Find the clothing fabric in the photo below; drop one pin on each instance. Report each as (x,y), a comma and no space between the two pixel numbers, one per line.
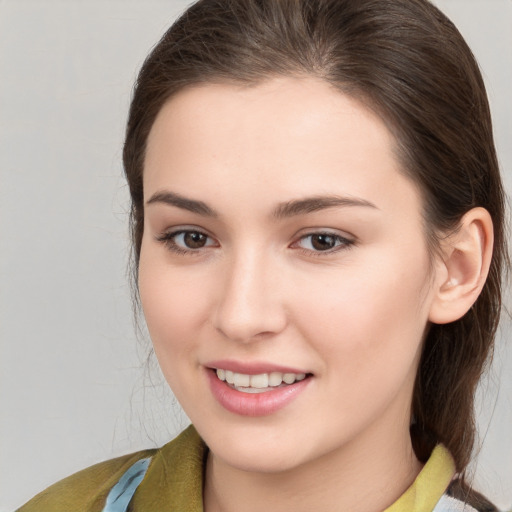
(170,479)
(121,494)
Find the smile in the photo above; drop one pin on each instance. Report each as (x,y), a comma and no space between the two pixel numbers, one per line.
(260,383)
(251,391)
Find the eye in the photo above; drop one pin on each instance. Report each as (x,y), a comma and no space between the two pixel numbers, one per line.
(323,242)
(186,240)
(191,239)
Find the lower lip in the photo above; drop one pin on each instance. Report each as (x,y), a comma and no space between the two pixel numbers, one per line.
(254,404)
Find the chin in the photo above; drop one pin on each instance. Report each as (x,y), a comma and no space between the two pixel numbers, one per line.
(257,460)
(257,450)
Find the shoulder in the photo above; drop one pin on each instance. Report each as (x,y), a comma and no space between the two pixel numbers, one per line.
(85,490)
(174,475)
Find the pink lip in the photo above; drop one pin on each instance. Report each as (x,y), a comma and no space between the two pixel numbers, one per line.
(254,404)
(253,368)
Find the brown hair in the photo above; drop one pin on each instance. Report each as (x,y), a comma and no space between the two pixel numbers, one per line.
(405,60)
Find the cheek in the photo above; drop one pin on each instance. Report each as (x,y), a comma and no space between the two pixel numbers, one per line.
(173,307)
(173,304)
(368,320)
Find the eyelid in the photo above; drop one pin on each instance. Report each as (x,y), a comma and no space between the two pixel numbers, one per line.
(343,240)
(347,241)
(168,239)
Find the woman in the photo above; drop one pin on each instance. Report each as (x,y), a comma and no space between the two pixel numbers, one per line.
(317,221)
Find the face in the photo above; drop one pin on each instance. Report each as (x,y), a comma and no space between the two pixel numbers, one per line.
(284,251)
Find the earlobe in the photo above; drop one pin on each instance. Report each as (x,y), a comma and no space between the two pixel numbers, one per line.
(463,267)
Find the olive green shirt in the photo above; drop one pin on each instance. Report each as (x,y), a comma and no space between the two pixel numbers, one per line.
(174,482)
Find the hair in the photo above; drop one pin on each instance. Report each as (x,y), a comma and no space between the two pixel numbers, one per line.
(408,63)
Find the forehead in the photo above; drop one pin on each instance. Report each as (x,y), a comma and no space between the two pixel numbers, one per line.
(286,136)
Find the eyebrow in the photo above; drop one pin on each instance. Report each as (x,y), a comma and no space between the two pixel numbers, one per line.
(284,210)
(316,203)
(173,199)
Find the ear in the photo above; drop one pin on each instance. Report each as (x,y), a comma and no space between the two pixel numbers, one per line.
(462,267)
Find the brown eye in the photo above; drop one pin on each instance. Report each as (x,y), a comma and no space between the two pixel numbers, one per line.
(323,242)
(194,239)
(187,241)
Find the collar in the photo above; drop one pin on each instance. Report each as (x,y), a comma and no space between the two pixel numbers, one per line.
(174,480)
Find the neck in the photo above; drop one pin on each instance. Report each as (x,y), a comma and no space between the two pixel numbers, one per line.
(361,476)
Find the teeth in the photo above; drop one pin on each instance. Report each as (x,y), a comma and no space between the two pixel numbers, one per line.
(289,378)
(242,381)
(230,377)
(275,379)
(260,381)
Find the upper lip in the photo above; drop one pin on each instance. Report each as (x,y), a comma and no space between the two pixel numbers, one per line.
(251,367)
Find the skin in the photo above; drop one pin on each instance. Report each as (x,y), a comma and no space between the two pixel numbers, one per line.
(353,317)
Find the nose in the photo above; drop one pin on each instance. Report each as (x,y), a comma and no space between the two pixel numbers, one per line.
(250,306)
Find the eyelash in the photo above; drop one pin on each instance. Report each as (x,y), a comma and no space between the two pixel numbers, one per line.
(168,239)
(342,243)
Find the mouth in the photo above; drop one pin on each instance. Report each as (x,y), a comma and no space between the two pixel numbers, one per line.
(260,383)
(255,388)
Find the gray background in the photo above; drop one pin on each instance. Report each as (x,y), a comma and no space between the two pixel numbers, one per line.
(74,389)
